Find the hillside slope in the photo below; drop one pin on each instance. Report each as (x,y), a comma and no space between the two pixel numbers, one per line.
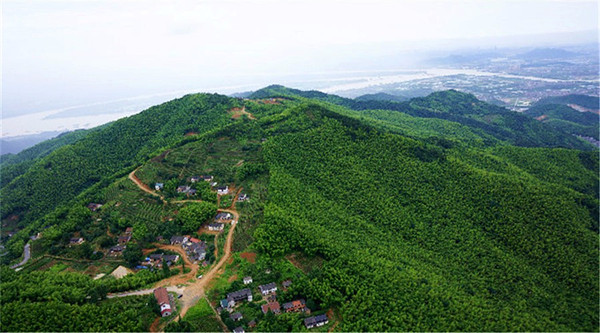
(415,223)
(416,238)
(60,176)
(567,119)
(13,165)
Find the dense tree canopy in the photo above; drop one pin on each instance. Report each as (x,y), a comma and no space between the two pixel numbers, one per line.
(193,215)
(439,213)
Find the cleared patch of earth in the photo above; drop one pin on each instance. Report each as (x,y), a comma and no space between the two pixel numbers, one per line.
(251,257)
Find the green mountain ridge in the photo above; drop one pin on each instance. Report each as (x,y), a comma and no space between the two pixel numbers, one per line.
(433,214)
(590,102)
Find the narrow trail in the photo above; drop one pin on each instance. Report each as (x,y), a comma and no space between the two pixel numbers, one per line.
(237,112)
(143,186)
(154,325)
(148,190)
(26,256)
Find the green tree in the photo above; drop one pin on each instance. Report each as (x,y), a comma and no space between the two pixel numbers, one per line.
(133,254)
(192,216)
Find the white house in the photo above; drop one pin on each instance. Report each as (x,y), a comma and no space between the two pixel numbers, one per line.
(216,227)
(222,190)
(162,298)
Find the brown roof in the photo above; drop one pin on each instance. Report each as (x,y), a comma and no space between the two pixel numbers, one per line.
(274,307)
(161,295)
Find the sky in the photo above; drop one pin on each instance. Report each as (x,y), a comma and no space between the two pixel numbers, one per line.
(56,54)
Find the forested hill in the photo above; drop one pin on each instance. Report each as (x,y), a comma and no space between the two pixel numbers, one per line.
(567,119)
(588,102)
(399,218)
(458,107)
(67,171)
(32,189)
(419,237)
(13,165)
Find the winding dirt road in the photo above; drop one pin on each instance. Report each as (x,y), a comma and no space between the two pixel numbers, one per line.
(143,186)
(195,290)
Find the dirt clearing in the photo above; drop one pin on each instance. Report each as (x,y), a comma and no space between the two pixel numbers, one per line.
(251,257)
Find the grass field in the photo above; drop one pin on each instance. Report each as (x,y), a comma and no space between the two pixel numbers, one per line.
(202,318)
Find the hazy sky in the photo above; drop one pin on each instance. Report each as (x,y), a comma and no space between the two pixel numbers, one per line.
(61,53)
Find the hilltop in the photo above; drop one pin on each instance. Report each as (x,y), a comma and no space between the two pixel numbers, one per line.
(436,213)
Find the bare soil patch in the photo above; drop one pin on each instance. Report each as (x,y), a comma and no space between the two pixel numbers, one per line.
(251,257)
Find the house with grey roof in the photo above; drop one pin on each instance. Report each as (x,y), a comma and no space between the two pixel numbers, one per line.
(239,296)
(237,316)
(268,288)
(316,321)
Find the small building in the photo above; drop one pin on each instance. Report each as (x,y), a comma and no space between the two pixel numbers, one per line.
(94,206)
(247,280)
(207,178)
(159,259)
(162,298)
(117,249)
(129,231)
(223,216)
(222,190)
(239,329)
(216,227)
(252,323)
(242,197)
(295,306)
(238,296)
(274,307)
(183,189)
(159,186)
(196,251)
(170,259)
(192,192)
(268,288)
(286,284)
(224,304)
(316,321)
(76,241)
(177,240)
(124,239)
(237,316)
(271,298)
(194,179)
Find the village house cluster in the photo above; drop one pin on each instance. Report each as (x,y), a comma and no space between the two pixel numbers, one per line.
(186,189)
(194,248)
(123,240)
(157,260)
(269,293)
